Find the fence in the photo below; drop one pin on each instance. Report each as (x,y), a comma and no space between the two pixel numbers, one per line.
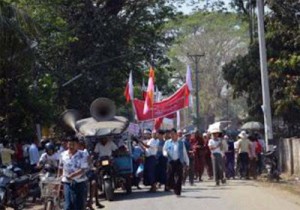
(289,155)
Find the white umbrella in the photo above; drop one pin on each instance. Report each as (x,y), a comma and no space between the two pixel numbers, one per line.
(252,125)
(221,125)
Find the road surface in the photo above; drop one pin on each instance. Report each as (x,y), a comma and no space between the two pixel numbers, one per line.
(235,195)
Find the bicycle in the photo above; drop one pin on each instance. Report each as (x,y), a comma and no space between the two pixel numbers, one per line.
(51,193)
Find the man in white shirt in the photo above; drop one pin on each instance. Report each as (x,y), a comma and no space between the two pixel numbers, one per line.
(72,166)
(175,151)
(150,147)
(244,149)
(105,147)
(215,145)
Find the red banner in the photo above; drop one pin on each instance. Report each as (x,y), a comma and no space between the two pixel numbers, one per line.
(177,101)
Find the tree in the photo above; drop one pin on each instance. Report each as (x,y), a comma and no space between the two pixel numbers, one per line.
(16,59)
(282,31)
(221,42)
(101,40)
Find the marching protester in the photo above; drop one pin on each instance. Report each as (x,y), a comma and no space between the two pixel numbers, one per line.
(252,157)
(230,158)
(207,156)
(92,177)
(72,166)
(137,162)
(161,167)
(177,156)
(215,145)
(189,171)
(259,151)
(150,148)
(199,153)
(243,148)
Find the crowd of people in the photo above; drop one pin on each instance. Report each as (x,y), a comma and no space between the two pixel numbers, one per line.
(167,158)
(221,156)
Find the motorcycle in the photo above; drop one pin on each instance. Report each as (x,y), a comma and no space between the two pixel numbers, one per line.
(113,176)
(271,164)
(34,187)
(106,177)
(14,188)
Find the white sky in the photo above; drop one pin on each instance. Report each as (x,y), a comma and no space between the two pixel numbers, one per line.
(188,9)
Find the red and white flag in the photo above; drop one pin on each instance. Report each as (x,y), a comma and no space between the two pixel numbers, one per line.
(128,93)
(150,92)
(189,83)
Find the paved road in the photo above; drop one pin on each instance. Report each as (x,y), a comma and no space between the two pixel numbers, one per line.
(235,195)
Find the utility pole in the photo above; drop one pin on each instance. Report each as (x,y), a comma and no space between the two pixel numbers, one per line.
(264,75)
(196,58)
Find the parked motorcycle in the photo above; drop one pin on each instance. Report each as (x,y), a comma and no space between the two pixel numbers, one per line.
(13,188)
(271,164)
(34,186)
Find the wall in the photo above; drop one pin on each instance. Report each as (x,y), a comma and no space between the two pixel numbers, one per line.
(289,154)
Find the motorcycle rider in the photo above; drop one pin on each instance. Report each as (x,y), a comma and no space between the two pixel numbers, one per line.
(105,147)
(49,157)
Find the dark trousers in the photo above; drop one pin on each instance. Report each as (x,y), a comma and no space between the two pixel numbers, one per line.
(161,170)
(208,165)
(190,172)
(218,163)
(259,164)
(244,164)
(149,170)
(252,168)
(136,179)
(201,164)
(174,175)
(229,165)
(75,195)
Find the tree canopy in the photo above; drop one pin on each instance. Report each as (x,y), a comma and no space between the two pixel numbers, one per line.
(282,40)
(54,41)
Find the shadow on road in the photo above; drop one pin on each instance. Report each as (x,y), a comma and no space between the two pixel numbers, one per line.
(119,196)
(200,197)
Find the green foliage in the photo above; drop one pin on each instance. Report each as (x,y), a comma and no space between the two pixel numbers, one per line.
(220,37)
(44,44)
(283,47)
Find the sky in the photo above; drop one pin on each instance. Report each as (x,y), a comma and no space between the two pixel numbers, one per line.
(188,9)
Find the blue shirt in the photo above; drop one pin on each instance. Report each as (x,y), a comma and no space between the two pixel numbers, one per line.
(34,155)
(137,152)
(160,148)
(187,144)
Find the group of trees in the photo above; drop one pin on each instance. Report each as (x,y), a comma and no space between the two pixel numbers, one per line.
(219,37)
(228,38)
(282,25)
(46,43)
